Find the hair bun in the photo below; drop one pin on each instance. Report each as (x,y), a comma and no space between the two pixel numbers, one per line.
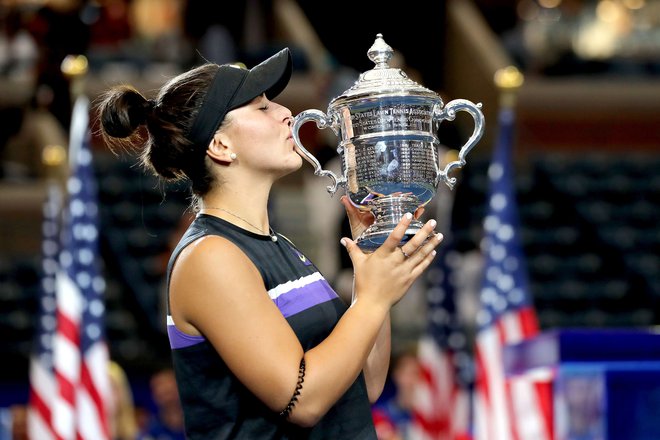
(141,112)
(149,105)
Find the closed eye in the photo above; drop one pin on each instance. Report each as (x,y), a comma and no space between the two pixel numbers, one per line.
(263,101)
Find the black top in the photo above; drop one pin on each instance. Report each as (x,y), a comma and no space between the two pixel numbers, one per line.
(215,403)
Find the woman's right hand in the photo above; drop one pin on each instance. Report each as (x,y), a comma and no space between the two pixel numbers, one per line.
(358,220)
(385,275)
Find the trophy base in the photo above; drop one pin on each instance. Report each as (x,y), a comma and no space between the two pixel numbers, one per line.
(388,212)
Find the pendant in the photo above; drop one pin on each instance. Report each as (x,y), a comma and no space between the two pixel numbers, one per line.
(273,238)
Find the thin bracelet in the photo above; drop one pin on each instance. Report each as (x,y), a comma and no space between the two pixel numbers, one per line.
(301,378)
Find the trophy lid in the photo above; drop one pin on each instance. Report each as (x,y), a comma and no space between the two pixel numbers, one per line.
(382,80)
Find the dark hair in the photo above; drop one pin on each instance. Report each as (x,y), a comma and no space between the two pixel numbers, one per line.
(166,150)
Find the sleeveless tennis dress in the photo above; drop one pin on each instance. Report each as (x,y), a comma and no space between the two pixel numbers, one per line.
(215,403)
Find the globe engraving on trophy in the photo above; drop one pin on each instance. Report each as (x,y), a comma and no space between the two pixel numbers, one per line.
(388,144)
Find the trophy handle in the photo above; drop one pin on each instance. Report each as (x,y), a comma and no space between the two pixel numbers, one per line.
(322,121)
(449,113)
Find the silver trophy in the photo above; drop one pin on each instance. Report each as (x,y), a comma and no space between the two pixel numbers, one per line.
(387,124)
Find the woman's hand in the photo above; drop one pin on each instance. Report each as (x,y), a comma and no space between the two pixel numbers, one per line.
(385,275)
(361,220)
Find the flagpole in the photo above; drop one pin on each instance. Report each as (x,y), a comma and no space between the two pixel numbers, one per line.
(75,67)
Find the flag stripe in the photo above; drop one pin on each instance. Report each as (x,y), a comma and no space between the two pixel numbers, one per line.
(489,347)
(483,430)
(433,415)
(529,322)
(94,380)
(545,393)
(42,416)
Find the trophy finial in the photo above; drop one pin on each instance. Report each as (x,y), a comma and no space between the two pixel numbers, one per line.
(380,52)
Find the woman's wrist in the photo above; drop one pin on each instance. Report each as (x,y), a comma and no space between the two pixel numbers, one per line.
(372,303)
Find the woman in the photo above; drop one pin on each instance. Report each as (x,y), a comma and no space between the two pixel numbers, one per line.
(262,347)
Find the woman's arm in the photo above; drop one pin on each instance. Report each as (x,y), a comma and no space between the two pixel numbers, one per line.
(380,277)
(377,365)
(216,291)
(378,362)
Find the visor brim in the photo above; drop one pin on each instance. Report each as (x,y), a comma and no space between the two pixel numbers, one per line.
(269,77)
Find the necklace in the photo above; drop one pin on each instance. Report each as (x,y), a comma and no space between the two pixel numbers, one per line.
(270,233)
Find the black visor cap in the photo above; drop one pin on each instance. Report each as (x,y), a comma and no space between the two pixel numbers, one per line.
(234,87)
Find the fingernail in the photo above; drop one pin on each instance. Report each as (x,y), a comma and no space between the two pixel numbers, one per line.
(408,216)
(343,242)
(433,253)
(439,236)
(433,223)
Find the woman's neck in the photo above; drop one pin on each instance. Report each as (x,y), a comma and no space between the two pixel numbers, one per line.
(247,209)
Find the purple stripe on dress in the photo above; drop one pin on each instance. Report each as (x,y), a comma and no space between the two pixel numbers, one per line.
(302,298)
(178,339)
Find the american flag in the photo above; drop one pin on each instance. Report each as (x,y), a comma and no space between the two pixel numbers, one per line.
(505,409)
(441,410)
(69,382)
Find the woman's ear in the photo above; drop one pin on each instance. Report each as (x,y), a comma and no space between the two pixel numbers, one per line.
(219,150)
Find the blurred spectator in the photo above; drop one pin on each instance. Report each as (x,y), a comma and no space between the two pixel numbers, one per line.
(216,37)
(59,31)
(123,422)
(13,423)
(31,137)
(392,414)
(18,49)
(385,428)
(136,38)
(158,43)
(110,30)
(245,31)
(111,24)
(167,422)
(18,59)
(19,422)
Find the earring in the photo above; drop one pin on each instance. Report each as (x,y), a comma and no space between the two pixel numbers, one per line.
(232,156)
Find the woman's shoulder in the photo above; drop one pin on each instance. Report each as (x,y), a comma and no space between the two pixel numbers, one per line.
(213,250)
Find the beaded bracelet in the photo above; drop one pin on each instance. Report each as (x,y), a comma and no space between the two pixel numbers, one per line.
(301,378)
